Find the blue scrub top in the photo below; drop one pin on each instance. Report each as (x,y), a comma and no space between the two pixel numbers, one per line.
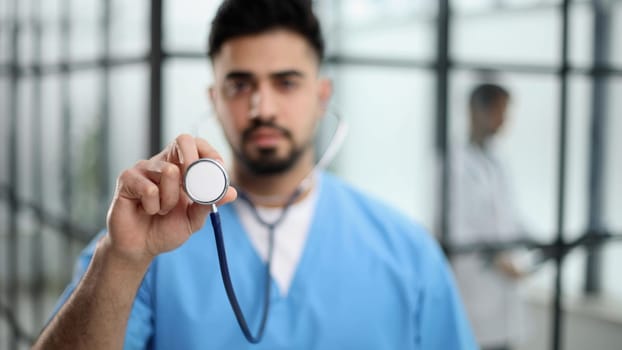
(369,278)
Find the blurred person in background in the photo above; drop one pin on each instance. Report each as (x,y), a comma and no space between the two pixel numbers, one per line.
(483,212)
(347,272)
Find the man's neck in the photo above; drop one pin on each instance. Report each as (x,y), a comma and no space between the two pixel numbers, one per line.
(275,189)
(478,140)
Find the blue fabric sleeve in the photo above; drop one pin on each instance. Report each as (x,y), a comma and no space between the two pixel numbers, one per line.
(442,320)
(140,325)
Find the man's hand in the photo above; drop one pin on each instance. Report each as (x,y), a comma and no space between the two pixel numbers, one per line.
(508,267)
(150,213)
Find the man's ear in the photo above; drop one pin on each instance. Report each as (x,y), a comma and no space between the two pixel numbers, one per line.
(325,93)
(211,95)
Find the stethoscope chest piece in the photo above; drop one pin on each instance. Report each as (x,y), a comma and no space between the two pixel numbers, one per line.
(206,181)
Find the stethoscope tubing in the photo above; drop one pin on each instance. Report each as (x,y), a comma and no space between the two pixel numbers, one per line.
(226,279)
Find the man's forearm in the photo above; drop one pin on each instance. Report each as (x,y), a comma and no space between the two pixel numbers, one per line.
(95,315)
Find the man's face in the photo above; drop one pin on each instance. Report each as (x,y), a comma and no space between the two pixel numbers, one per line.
(268,96)
(498,115)
(490,121)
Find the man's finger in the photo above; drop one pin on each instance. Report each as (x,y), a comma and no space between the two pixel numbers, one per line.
(207,151)
(167,176)
(197,213)
(230,196)
(133,185)
(184,151)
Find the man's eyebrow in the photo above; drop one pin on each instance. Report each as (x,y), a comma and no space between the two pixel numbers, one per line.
(238,75)
(287,74)
(245,75)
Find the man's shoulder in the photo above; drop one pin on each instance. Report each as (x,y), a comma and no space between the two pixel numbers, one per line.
(382,228)
(346,199)
(340,190)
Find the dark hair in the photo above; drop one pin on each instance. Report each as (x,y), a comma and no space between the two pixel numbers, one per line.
(484,96)
(236,18)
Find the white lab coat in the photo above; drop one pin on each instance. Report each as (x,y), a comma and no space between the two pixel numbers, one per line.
(482,210)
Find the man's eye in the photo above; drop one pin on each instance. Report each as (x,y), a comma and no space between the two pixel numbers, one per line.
(287,84)
(238,87)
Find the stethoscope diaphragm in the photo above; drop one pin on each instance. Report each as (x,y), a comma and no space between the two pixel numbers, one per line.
(206,181)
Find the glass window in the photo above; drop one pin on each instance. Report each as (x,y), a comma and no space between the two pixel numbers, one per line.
(129,126)
(4,128)
(5,9)
(53,264)
(396,29)
(329,13)
(129,27)
(527,146)
(611,262)
(186,24)
(581,34)
(26,32)
(25,141)
(50,29)
(26,38)
(616,32)
(51,140)
(22,9)
(86,30)
(85,112)
(472,6)
(51,44)
(578,156)
(391,118)
(5,42)
(490,6)
(4,219)
(612,189)
(50,10)
(6,26)
(574,274)
(529,36)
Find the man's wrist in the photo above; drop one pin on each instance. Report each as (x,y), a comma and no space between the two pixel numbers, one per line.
(120,259)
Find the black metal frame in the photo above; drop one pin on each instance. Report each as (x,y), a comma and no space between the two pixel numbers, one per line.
(36,262)
(598,126)
(561,182)
(442,118)
(443,66)
(12,272)
(156,60)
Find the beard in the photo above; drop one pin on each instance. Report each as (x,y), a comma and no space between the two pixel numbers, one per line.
(266,160)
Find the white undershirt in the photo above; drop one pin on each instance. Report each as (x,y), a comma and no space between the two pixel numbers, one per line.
(290,235)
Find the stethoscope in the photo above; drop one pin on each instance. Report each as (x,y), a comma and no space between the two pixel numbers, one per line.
(206,182)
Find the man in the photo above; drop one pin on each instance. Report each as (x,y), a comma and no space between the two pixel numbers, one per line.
(349,273)
(483,212)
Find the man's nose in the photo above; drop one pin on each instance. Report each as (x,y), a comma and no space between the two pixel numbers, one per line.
(262,104)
